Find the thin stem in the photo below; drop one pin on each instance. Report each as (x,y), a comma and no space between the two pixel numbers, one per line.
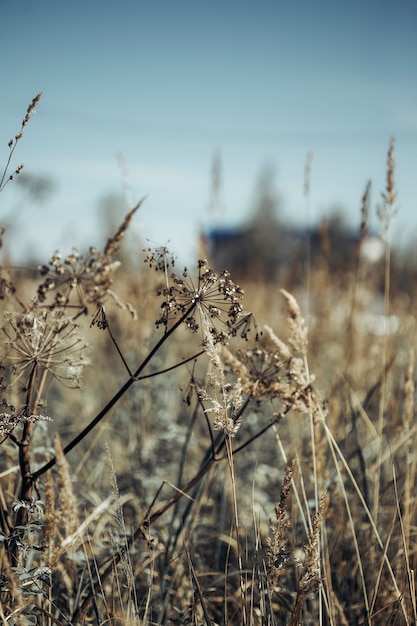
(171,367)
(12,149)
(117,396)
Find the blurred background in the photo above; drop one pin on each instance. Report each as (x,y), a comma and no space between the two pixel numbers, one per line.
(215,111)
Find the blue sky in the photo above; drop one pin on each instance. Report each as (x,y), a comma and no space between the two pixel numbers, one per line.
(167,84)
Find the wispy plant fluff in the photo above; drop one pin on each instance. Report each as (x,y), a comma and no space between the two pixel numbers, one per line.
(224,399)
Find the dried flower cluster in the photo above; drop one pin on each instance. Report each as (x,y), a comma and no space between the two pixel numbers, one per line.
(212,300)
(270,370)
(88,278)
(45,341)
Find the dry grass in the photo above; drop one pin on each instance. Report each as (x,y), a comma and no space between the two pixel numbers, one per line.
(201,467)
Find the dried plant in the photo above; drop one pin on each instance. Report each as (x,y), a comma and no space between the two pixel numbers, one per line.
(38,342)
(88,280)
(388,209)
(5,178)
(277,552)
(176,535)
(310,578)
(226,405)
(213,300)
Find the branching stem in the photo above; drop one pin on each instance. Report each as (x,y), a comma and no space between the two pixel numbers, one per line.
(117,395)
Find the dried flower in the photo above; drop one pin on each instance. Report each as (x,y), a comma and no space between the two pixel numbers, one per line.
(46,341)
(89,278)
(270,370)
(213,299)
(30,111)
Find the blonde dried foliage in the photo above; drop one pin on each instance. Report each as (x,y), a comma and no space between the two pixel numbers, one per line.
(83,281)
(67,515)
(409,390)
(45,340)
(277,554)
(390,196)
(119,518)
(67,575)
(50,519)
(311,576)
(280,348)
(292,382)
(213,352)
(236,366)
(31,109)
(310,579)
(297,324)
(113,243)
(226,400)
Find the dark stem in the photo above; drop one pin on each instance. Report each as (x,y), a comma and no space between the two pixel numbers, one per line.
(117,396)
(24,451)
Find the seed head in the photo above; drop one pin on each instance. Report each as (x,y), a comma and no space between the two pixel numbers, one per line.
(214,300)
(46,341)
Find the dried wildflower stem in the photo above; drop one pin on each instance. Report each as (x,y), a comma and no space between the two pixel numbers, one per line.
(363,230)
(118,395)
(386,214)
(230,459)
(159,372)
(405,545)
(310,577)
(24,445)
(194,357)
(33,396)
(24,451)
(116,345)
(13,143)
(408,420)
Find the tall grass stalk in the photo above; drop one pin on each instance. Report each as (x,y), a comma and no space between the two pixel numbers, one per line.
(386,212)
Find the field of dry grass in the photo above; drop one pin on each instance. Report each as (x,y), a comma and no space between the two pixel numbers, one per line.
(176,451)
